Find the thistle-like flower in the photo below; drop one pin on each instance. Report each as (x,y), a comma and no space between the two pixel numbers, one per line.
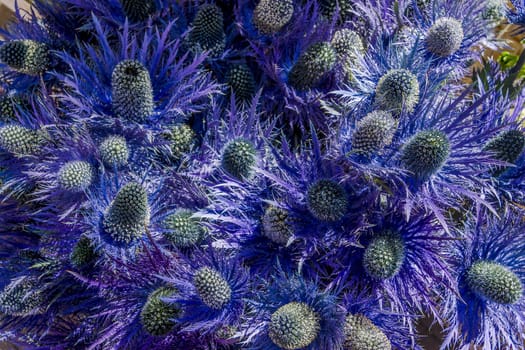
(327,200)
(241,82)
(506,147)
(296,314)
(373,133)
(362,334)
(21,297)
(127,216)
(75,176)
(329,8)
(157,315)
(445,36)
(183,230)
(84,253)
(238,158)
(211,291)
(397,90)
(114,151)
(276,225)
(26,56)
(348,46)
(490,270)
(425,153)
(270,16)
(313,64)
(207,32)
(19,140)
(132,94)
(138,10)
(182,140)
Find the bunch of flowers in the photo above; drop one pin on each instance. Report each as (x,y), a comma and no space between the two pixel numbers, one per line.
(261,174)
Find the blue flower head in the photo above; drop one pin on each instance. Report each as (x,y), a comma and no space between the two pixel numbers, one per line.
(297,314)
(489,267)
(211,288)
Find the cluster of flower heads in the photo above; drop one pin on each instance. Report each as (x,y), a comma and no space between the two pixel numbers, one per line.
(267,174)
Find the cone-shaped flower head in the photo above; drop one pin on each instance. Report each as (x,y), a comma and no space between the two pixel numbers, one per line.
(26,56)
(445,36)
(138,10)
(362,334)
(312,65)
(425,153)
(83,253)
(21,297)
(397,89)
(348,47)
(75,176)
(373,133)
(239,158)
(212,288)
(329,7)
(384,256)
(270,16)
(157,315)
(18,139)
(507,146)
(241,82)
(127,216)
(276,225)
(207,32)
(132,93)
(114,151)
(494,282)
(294,326)
(327,200)
(182,139)
(182,230)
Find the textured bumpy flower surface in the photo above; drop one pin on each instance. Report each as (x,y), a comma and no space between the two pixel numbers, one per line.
(264,175)
(132,94)
(294,326)
(270,16)
(398,89)
(127,216)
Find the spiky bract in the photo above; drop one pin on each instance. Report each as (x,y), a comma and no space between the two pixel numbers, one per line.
(494,282)
(445,36)
(327,200)
(425,153)
(157,316)
(132,93)
(313,64)
(397,90)
(373,133)
(182,230)
(384,256)
(75,176)
(213,289)
(294,326)
(127,216)
(270,16)
(114,151)
(26,56)
(238,158)
(207,31)
(362,334)
(19,140)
